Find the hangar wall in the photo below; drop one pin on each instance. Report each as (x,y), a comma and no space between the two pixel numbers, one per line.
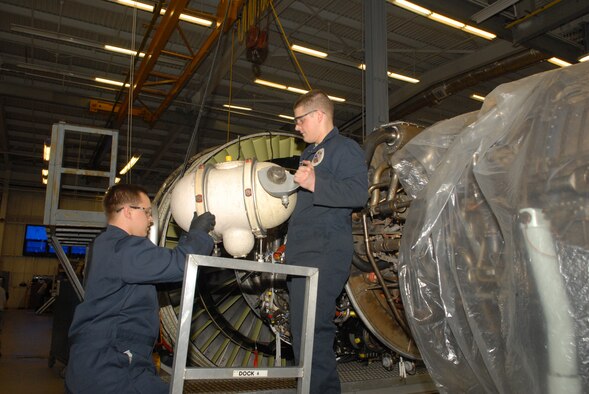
(22,208)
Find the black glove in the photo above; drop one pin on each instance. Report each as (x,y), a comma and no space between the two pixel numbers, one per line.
(204,222)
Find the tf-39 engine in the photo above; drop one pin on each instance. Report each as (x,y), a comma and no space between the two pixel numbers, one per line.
(241,318)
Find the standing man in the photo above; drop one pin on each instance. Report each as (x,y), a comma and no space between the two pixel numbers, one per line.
(115,328)
(333,180)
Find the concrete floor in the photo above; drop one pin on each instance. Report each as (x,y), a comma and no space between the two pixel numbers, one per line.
(25,344)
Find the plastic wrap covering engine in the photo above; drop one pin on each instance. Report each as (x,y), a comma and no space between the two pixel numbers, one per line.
(493,263)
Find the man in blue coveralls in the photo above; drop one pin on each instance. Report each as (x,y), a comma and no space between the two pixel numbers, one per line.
(333,180)
(115,328)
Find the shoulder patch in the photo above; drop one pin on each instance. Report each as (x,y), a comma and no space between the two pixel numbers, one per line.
(318,158)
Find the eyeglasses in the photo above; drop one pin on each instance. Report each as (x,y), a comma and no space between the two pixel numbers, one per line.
(300,119)
(146,211)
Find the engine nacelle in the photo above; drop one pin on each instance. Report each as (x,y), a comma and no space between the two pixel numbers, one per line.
(232,191)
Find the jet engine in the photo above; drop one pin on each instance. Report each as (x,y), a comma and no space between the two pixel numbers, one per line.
(241,318)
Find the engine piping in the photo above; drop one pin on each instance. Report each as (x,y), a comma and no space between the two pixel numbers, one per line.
(385,289)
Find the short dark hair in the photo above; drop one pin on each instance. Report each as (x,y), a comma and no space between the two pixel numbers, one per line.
(120,194)
(315,99)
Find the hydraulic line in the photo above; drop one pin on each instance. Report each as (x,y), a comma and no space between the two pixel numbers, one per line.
(385,289)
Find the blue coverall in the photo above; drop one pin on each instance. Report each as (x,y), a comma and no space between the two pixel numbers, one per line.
(115,328)
(320,235)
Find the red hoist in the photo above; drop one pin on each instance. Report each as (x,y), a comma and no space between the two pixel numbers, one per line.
(257,47)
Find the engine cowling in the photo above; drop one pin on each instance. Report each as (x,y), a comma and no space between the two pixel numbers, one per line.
(232,191)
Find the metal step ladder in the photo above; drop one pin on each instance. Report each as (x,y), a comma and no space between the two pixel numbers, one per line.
(180,372)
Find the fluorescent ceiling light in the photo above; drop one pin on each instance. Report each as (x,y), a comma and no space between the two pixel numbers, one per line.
(286,117)
(308,51)
(194,19)
(584,58)
(124,51)
(136,4)
(110,82)
(402,77)
(44,181)
(411,7)
(559,62)
(44,172)
(296,90)
(393,75)
(236,107)
(290,89)
(479,32)
(130,164)
(477,97)
(149,8)
(446,21)
(117,179)
(270,84)
(442,19)
(338,99)
(46,150)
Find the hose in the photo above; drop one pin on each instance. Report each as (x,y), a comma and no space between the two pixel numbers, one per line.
(365,266)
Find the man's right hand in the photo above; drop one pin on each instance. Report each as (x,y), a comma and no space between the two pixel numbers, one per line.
(204,222)
(305,176)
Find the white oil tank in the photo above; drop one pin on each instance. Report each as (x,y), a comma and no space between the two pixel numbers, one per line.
(232,192)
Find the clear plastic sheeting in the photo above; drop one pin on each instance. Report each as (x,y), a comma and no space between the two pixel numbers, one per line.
(495,251)
(428,148)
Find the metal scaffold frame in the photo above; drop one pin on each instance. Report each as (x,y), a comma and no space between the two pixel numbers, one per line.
(180,372)
(73,226)
(65,217)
